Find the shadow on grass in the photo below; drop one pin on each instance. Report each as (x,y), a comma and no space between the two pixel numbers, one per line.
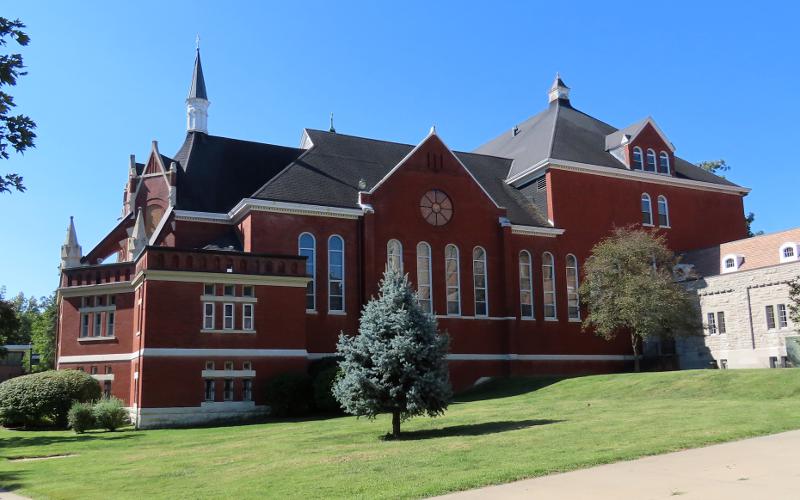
(9,481)
(505,387)
(475,429)
(28,439)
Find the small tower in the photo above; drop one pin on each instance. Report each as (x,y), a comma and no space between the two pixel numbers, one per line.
(197,101)
(71,251)
(138,238)
(558,91)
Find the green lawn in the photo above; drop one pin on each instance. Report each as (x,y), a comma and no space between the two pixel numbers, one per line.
(507,430)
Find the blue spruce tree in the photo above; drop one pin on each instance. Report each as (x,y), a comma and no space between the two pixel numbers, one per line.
(397,363)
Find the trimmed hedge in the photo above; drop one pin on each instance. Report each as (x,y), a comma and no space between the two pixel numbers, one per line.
(110,414)
(289,395)
(45,397)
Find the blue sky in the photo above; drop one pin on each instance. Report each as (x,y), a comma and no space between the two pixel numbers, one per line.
(106,78)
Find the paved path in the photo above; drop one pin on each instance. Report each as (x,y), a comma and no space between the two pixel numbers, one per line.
(758,468)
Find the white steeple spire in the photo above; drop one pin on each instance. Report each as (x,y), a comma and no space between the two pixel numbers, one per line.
(197,101)
(558,91)
(71,251)
(138,238)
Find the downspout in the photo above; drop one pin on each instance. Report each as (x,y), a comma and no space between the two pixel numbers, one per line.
(750,318)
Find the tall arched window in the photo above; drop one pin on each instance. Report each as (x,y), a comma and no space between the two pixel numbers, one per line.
(525,285)
(663,163)
(335,274)
(651,160)
(638,163)
(424,295)
(453,280)
(479,279)
(549,285)
(307,247)
(573,302)
(394,256)
(647,210)
(663,212)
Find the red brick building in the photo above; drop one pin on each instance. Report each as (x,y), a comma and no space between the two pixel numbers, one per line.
(236,260)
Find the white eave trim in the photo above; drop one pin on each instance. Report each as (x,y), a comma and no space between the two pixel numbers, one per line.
(191,216)
(250,204)
(547,232)
(622,174)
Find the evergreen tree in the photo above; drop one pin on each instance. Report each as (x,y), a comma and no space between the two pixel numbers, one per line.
(397,363)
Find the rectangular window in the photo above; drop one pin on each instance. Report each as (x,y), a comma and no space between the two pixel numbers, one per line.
(721,322)
(228,365)
(770,310)
(84,325)
(209,365)
(209,390)
(247,291)
(773,361)
(247,316)
(108,370)
(112,300)
(247,365)
(712,324)
(208,289)
(98,301)
(230,290)
(98,324)
(208,315)
(247,390)
(107,388)
(227,317)
(110,324)
(783,322)
(93,370)
(228,392)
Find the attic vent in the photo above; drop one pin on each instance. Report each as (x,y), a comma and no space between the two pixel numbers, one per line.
(514,131)
(541,184)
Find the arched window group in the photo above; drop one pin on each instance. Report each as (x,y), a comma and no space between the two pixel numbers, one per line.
(526,294)
(307,247)
(659,164)
(662,210)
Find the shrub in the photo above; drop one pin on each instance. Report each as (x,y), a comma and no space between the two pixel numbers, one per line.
(80,417)
(323,390)
(110,414)
(47,396)
(289,395)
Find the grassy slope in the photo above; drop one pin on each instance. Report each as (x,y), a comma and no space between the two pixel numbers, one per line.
(507,430)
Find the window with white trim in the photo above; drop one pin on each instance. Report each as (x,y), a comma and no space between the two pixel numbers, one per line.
(770,312)
(637,163)
(663,211)
(453,280)
(208,315)
(663,163)
(651,161)
(247,317)
(209,289)
(247,389)
(336,274)
(85,324)
(98,325)
(209,365)
(228,390)
(525,285)
(712,323)
(229,290)
(247,365)
(647,210)
(788,252)
(209,390)
(227,316)
(549,286)
(730,263)
(307,245)
(783,320)
(424,295)
(394,256)
(110,323)
(573,300)
(228,366)
(479,279)
(107,388)
(721,322)
(247,291)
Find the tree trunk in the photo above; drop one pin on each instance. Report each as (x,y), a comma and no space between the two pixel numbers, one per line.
(396,424)
(635,353)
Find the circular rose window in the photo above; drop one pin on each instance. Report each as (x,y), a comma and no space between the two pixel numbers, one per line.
(436,208)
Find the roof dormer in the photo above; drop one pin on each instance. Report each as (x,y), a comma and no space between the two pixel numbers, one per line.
(644,147)
(731,262)
(789,252)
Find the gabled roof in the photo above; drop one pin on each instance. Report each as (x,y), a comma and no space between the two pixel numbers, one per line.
(564,133)
(328,174)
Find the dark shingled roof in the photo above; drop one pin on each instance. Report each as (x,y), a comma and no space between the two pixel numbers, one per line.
(564,133)
(217,172)
(198,88)
(328,174)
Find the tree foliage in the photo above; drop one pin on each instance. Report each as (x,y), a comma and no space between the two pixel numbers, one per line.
(16,131)
(794,302)
(714,166)
(397,363)
(629,289)
(43,333)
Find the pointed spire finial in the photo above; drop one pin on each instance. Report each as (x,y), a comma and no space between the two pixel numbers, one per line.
(197,100)
(197,43)
(558,91)
(433,130)
(332,129)
(71,251)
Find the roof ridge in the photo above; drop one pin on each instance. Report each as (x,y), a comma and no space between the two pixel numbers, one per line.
(360,137)
(553,132)
(249,141)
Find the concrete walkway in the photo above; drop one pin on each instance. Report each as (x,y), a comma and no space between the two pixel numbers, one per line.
(763,467)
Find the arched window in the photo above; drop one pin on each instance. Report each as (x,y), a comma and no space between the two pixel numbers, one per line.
(424,295)
(730,263)
(335,274)
(647,210)
(573,302)
(394,256)
(663,163)
(651,160)
(480,281)
(788,252)
(525,285)
(453,280)
(663,212)
(549,286)
(307,247)
(637,159)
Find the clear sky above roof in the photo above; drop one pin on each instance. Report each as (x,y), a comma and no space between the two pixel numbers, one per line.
(106,78)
